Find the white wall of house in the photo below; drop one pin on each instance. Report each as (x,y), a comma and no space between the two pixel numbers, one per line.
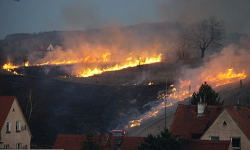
(50,48)
(15,137)
(226,132)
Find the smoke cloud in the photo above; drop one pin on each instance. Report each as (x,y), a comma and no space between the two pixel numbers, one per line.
(234,13)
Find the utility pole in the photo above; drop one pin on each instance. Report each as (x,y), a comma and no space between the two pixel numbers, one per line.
(189,89)
(241,93)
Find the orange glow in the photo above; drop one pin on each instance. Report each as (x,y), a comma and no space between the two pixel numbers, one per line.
(225,78)
(9,67)
(184,91)
(150,83)
(90,72)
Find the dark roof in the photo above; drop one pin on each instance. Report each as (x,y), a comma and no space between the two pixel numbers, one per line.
(204,145)
(5,106)
(187,122)
(74,142)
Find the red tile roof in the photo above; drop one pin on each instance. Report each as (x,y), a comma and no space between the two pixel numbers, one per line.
(5,106)
(242,118)
(187,122)
(205,145)
(74,142)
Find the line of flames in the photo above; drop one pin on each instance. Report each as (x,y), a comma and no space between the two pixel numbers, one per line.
(92,71)
(184,91)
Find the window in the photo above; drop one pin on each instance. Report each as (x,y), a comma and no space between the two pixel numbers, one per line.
(214,138)
(18,145)
(18,126)
(8,127)
(6,146)
(224,123)
(236,142)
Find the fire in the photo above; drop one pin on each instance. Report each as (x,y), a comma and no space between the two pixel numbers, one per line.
(9,67)
(90,72)
(150,83)
(225,78)
(184,90)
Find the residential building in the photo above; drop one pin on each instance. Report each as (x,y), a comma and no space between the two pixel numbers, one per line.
(105,141)
(205,145)
(15,133)
(213,123)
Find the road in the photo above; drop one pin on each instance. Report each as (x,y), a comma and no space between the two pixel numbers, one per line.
(155,124)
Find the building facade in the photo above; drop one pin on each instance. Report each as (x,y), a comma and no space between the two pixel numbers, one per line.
(15,133)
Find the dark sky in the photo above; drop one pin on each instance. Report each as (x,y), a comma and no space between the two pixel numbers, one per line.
(29,16)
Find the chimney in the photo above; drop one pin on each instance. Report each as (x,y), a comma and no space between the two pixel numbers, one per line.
(201,108)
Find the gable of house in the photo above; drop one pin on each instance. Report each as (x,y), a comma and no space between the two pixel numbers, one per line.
(14,128)
(44,48)
(5,106)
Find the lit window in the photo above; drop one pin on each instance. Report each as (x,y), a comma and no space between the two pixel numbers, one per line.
(8,126)
(236,142)
(18,145)
(18,126)
(214,138)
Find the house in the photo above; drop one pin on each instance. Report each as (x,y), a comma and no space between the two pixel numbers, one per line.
(213,123)
(105,142)
(205,145)
(44,48)
(15,133)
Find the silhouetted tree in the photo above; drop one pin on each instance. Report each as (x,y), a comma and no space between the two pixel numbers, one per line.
(206,93)
(163,141)
(183,46)
(207,33)
(90,144)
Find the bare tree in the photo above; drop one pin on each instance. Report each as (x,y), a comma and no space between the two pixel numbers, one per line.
(207,33)
(31,104)
(183,46)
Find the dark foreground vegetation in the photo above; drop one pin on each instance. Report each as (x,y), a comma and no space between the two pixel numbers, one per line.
(70,108)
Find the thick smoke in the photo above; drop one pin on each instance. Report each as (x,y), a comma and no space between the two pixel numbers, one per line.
(118,44)
(234,13)
(80,15)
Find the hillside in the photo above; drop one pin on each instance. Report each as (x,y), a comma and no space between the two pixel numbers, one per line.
(70,108)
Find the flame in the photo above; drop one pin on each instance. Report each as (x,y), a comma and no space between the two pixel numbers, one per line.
(184,89)
(225,78)
(150,83)
(9,67)
(90,72)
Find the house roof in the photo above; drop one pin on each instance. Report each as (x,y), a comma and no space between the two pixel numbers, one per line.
(42,47)
(241,117)
(205,145)
(5,106)
(74,142)
(187,122)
